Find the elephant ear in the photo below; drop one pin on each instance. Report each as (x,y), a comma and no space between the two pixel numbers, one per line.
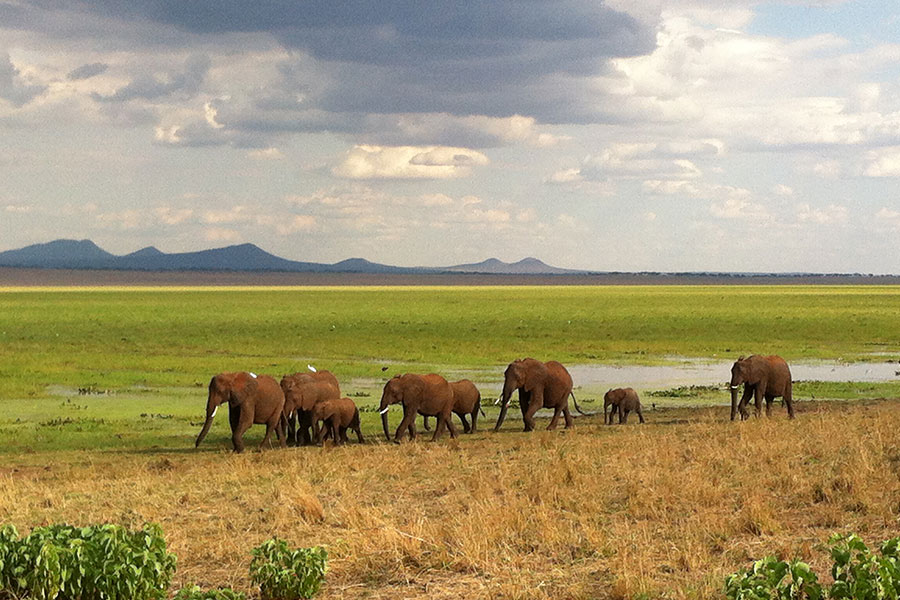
(244,386)
(535,375)
(740,358)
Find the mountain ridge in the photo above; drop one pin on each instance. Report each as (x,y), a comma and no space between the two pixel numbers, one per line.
(85,254)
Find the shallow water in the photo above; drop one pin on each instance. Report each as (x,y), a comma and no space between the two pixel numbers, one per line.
(695,372)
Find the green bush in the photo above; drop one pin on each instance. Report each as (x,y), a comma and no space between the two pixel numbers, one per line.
(285,574)
(101,562)
(858,575)
(195,593)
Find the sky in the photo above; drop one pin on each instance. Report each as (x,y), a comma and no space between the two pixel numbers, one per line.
(616,135)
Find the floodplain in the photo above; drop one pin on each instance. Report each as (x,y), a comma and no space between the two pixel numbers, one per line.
(102,393)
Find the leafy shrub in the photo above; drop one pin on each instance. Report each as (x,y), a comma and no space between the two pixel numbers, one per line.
(285,574)
(98,562)
(195,593)
(771,579)
(858,575)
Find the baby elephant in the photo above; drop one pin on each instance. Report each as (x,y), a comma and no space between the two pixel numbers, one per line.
(336,415)
(623,400)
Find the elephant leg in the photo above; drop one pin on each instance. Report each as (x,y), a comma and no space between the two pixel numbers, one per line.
(408,423)
(304,423)
(244,422)
(789,400)
(742,406)
(759,394)
(640,414)
(474,416)
(425,424)
(234,417)
(466,427)
(528,416)
(555,419)
(321,432)
(625,415)
(570,422)
(769,400)
(343,432)
(279,432)
(439,428)
(266,437)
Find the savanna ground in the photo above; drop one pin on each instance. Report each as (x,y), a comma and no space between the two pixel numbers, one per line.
(661,510)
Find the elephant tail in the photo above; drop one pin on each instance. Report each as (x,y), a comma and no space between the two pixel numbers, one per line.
(578,408)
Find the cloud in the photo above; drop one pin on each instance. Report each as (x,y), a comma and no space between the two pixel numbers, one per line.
(296,224)
(218,234)
(185,82)
(266,154)
(828,215)
(884,162)
(408,162)
(87,71)
(739,208)
(172,216)
(14,87)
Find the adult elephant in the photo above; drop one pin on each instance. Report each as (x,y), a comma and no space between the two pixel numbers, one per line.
(764,377)
(251,399)
(540,385)
(622,401)
(466,401)
(302,391)
(419,394)
(337,416)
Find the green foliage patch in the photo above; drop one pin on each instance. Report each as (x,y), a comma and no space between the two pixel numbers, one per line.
(101,562)
(858,574)
(283,573)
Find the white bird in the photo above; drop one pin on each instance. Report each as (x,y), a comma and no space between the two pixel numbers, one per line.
(311,368)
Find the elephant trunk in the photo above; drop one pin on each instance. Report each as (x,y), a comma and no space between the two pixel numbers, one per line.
(384,424)
(504,405)
(210,414)
(734,400)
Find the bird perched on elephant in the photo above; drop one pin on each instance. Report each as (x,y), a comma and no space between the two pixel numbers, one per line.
(540,385)
(428,395)
(252,399)
(302,391)
(466,401)
(622,401)
(337,415)
(763,377)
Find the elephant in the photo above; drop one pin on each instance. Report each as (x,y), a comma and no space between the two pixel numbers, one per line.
(302,391)
(763,377)
(251,399)
(540,385)
(419,394)
(623,401)
(466,401)
(337,415)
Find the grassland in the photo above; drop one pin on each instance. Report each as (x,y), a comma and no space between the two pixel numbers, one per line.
(662,510)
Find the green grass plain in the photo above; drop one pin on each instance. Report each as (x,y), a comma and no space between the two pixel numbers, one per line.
(662,510)
(150,352)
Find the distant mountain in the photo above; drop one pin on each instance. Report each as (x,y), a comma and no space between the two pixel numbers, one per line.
(85,254)
(526,266)
(59,254)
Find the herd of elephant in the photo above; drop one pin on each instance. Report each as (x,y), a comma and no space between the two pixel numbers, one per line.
(306,408)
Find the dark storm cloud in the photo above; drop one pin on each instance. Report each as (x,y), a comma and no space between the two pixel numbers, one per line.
(87,71)
(13,87)
(408,56)
(150,87)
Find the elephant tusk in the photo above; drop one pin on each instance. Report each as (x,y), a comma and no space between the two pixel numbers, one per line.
(386,408)
(736,387)
(215,410)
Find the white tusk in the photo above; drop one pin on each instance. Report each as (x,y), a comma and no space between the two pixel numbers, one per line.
(215,410)
(736,387)
(311,368)
(381,412)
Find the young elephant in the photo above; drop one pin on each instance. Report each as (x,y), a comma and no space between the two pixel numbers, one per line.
(466,401)
(336,415)
(623,401)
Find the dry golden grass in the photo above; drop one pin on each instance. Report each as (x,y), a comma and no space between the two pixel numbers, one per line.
(661,510)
